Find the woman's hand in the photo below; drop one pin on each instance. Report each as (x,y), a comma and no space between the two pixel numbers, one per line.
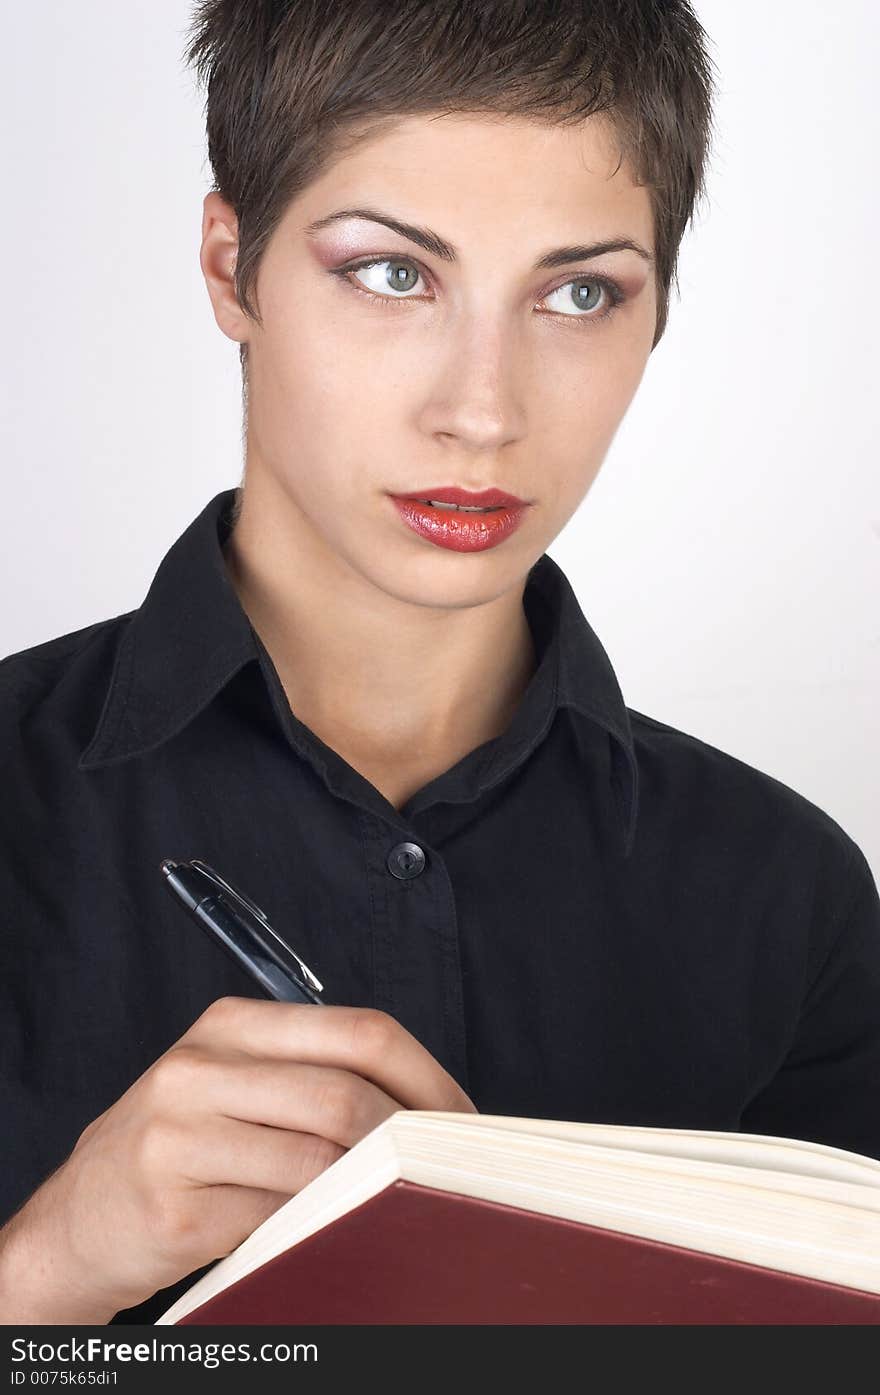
(247,1107)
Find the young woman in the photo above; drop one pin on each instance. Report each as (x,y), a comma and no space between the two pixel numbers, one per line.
(444,235)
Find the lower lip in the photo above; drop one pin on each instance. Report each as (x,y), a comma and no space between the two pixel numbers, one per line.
(458,530)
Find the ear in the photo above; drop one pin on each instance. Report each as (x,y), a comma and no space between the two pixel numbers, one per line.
(217,259)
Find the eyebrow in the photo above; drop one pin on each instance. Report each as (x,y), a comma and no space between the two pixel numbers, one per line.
(432,242)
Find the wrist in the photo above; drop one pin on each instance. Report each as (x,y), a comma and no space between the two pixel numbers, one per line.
(34,1285)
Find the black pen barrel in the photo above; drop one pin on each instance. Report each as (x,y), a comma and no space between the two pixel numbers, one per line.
(267,961)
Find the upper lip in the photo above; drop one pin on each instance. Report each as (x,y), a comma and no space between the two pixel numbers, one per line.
(451,494)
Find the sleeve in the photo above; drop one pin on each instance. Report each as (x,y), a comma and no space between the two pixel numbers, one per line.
(827,1089)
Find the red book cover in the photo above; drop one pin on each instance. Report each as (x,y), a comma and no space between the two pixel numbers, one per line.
(414,1255)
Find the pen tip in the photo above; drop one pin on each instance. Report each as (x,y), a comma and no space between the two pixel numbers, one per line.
(166,865)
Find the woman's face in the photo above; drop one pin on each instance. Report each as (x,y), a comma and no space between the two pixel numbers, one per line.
(471,369)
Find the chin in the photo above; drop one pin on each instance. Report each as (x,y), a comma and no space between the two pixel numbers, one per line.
(443,580)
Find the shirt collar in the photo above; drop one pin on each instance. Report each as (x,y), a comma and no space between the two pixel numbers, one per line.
(586,682)
(191,636)
(187,640)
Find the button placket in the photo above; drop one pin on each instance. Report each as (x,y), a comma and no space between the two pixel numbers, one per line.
(416,968)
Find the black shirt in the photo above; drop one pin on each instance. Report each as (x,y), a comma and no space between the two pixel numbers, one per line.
(602,918)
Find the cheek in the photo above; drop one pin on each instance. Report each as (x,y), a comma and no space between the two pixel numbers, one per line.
(581,395)
(319,386)
(575,416)
(323,414)
(573,476)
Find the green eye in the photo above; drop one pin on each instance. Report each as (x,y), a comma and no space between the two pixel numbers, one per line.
(403,274)
(581,295)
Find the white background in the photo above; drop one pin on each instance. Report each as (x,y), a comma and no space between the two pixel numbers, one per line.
(727,555)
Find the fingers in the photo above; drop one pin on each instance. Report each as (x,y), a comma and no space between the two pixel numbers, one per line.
(254,1155)
(369,1043)
(339,1105)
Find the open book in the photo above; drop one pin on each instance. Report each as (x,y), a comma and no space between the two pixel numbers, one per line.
(473,1218)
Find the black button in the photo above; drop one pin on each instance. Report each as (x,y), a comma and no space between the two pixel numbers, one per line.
(405,860)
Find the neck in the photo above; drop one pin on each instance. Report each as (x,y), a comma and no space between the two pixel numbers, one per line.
(422,685)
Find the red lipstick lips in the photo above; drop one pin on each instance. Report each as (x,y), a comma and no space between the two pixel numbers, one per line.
(466,528)
(451,494)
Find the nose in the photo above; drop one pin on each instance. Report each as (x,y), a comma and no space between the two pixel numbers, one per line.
(476,397)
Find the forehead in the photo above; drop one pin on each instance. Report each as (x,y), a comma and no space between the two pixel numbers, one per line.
(464,173)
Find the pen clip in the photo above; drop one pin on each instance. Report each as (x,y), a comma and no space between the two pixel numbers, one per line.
(250,905)
(237,895)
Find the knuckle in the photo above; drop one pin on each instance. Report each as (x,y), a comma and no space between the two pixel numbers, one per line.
(176,1073)
(171,1220)
(317,1155)
(339,1105)
(88,1131)
(373,1034)
(222,1012)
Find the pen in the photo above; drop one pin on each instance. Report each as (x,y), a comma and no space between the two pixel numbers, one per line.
(242,929)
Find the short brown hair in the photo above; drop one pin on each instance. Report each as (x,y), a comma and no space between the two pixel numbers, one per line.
(293,84)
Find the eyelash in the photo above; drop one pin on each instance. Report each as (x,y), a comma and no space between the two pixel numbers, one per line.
(614,292)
